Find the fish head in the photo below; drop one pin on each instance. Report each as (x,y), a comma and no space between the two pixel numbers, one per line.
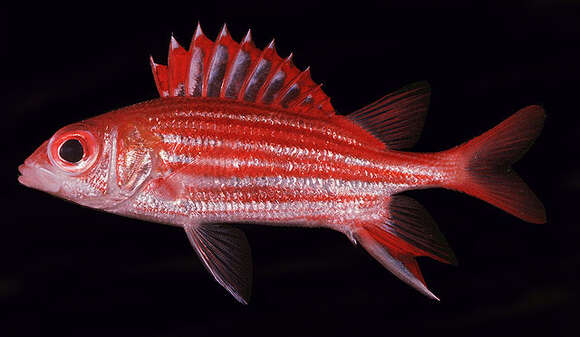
(87,163)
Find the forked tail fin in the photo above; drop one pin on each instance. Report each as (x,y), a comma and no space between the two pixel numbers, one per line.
(486,165)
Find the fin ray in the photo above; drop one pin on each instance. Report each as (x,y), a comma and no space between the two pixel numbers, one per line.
(177,66)
(402,266)
(397,119)
(161,77)
(486,173)
(411,229)
(407,232)
(240,67)
(199,53)
(225,252)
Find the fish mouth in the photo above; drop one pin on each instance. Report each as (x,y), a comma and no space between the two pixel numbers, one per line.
(39,178)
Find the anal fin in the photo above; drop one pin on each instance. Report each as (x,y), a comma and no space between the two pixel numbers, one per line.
(404,267)
(225,252)
(408,231)
(416,231)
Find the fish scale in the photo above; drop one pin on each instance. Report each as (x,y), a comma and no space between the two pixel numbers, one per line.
(242,135)
(275,145)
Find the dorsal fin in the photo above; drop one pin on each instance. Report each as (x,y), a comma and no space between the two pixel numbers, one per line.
(238,71)
(396,119)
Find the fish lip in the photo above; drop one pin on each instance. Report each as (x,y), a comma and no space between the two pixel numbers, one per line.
(38,177)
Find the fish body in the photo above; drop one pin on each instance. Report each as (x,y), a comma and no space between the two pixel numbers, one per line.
(241,135)
(232,162)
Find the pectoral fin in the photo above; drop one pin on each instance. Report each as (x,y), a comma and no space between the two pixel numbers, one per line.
(225,252)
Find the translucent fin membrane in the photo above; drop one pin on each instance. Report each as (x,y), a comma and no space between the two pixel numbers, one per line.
(396,119)
(239,71)
(225,252)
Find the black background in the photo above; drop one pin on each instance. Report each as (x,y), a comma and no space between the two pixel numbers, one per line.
(71,271)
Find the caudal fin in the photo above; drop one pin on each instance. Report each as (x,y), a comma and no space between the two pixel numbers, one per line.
(487,159)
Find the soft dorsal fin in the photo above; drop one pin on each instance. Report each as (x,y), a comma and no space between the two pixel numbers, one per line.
(239,71)
(396,119)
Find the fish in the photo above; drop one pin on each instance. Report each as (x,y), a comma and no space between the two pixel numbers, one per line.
(241,135)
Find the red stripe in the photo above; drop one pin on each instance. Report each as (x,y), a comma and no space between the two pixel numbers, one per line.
(306,133)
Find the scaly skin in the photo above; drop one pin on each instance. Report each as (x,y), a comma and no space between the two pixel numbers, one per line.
(217,161)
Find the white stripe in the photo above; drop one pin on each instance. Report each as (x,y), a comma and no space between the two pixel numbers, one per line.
(269,147)
(254,162)
(307,185)
(289,166)
(279,121)
(359,210)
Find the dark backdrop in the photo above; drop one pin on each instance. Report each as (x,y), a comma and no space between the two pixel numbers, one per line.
(70,271)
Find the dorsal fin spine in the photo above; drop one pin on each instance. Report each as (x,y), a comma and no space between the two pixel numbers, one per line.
(276,64)
(241,66)
(250,48)
(198,31)
(301,100)
(177,66)
(207,57)
(160,76)
(307,91)
(271,48)
(233,48)
(291,78)
(233,57)
(292,73)
(207,73)
(199,44)
(305,74)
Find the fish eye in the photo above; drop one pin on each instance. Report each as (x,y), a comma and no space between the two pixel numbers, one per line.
(71,151)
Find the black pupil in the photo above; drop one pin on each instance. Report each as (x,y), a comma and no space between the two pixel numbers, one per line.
(71,151)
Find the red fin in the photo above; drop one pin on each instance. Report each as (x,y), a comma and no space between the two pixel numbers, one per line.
(412,230)
(275,81)
(487,159)
(177,65)
(199,53)
(161,77)
(238,71)
(400,264)
(408,231)
(396,119)
(411,265)
(224,51)
(230,70)
(291,92)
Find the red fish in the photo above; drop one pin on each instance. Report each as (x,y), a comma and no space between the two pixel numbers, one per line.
(241,135)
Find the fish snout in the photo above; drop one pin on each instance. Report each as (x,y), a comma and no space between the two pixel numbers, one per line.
(38,177)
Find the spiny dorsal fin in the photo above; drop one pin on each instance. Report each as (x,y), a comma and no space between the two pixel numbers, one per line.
(239,71)
(396,119)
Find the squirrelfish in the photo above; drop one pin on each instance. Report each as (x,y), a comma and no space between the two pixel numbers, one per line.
(241,135)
